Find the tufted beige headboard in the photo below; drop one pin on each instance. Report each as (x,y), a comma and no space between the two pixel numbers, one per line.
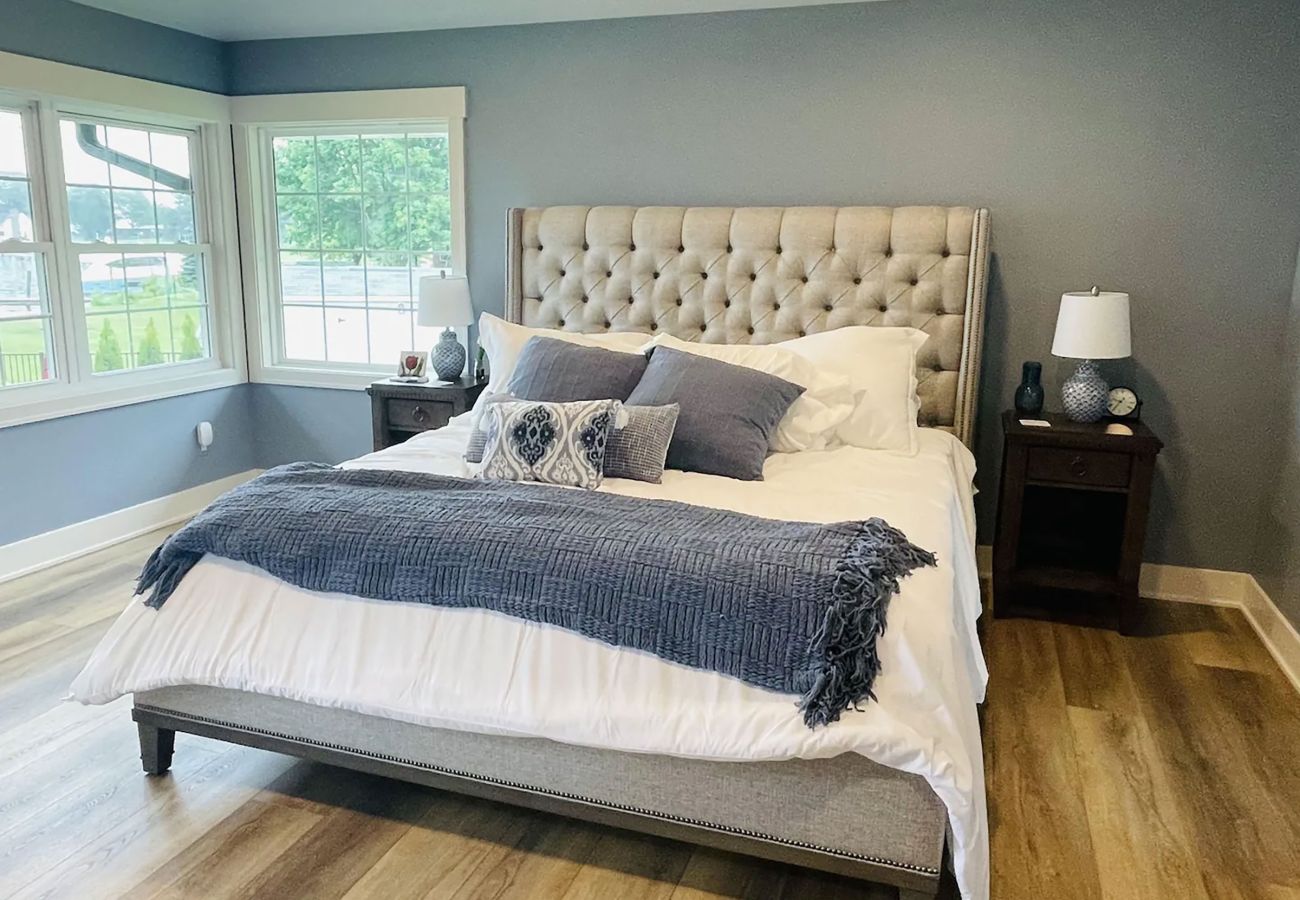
(764,274)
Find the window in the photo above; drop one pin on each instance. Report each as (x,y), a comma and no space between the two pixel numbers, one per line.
(26,323)
(119,274)
(353,198)
(130,194)
(360,216)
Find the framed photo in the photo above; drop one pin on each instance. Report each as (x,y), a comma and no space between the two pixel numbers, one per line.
(410,365)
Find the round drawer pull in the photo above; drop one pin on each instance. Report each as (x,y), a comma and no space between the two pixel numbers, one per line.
(1078,467)
(419,414)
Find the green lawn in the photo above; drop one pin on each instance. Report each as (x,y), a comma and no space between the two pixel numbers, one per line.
(128,317)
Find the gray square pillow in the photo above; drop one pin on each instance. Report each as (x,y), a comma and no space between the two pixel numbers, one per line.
(560,372)
(728,413)
(639,449)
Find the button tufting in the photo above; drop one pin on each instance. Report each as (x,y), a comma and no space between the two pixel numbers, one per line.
(539,246)
(938,312)
(912,282)
(631,246)
(630,301)
(728,248)
(857,281)
(804,279)
(654,326)
(802,333)
(750,329)
(704,276)
(778,249)
(607,323)
(776,306)
(681,249)
(561,273)
(828,307)
(938,367)
(609,273)
(884,308)
(704,328)
(946,253)
(584,298)
(679,301)
(753,277)
(656,275)
(560,323)
(584,246)
(726,304)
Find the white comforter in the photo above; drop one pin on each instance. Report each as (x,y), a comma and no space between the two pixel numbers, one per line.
(229,625)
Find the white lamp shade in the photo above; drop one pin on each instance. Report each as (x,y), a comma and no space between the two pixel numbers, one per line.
(444,302)
(1093,326)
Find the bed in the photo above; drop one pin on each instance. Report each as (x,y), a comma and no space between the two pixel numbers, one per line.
(496,707)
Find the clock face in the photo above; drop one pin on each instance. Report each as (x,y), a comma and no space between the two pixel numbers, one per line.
(1121,401)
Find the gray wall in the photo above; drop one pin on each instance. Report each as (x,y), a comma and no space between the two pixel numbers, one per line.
(82,36)
(61,471)
(1278,564)
(1149,147)
(65,470)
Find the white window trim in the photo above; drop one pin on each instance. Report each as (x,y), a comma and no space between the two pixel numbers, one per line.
(63,88)
(252,117)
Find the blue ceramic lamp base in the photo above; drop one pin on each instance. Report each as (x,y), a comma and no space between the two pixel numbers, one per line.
(448,357)
(1084,393)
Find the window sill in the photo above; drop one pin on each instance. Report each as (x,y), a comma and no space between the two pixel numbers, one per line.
(333,379)
(54,401)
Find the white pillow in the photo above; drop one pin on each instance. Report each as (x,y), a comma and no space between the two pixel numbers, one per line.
(880,364)
(811,421)
(503,342)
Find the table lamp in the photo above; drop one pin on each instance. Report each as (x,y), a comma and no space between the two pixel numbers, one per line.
(445,302)
(1091,325)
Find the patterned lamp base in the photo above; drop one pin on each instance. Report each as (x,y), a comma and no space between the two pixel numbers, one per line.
(1084,393)
(448,357)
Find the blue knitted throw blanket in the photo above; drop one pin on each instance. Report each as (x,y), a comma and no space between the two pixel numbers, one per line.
(793,607)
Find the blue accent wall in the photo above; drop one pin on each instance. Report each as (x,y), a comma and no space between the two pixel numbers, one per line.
(1149,147)
(61,471)
(84,36)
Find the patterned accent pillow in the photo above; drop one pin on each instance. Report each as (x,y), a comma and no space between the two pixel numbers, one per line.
(554,443)
(639,449)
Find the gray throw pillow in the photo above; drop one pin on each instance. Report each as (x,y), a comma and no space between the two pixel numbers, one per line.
(478,434)
(728,413)
(639,449)
(560,372)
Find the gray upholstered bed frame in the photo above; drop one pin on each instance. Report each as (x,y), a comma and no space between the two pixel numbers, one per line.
(724,275)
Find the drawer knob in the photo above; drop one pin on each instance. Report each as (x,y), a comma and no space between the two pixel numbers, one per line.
(418,413)
(1078,467)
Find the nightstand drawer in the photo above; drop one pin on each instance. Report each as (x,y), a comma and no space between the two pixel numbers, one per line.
(418,415)
(1088,467)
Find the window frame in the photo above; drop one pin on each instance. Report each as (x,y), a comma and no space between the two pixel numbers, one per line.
(258,120)
(50,91)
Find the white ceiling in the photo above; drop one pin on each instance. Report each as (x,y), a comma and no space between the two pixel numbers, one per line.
(237,20)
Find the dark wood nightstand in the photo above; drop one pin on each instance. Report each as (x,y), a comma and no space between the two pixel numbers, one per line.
(398,410)
(1072,519)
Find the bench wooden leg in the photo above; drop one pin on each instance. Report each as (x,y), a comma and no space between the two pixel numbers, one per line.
(156,745)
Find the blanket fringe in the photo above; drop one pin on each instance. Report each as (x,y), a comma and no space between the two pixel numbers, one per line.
(843,660)
(163,572)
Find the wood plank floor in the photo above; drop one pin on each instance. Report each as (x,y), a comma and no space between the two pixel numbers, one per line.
(1165,765)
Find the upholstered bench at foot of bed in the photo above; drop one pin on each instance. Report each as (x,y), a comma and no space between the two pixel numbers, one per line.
(846,814)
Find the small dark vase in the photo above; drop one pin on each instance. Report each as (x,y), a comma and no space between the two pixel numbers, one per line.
(1029,396)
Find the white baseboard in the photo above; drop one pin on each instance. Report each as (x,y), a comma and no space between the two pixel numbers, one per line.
(1212,587)
(62,544)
